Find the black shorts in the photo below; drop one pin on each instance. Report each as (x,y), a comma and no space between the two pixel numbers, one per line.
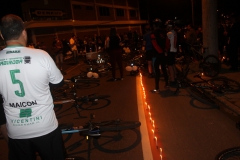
(171,58)
(49,146)
(149,55)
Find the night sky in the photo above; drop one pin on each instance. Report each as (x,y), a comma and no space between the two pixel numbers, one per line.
(163,9)
(182,9)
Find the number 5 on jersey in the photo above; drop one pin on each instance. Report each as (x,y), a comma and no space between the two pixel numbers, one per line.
(16,81)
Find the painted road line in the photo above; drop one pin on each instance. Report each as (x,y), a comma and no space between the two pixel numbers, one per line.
(146,147)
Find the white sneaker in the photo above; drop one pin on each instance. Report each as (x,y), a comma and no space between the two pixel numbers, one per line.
(155,91)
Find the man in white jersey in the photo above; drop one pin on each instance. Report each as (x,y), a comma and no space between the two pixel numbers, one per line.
(28,105)
(172,50)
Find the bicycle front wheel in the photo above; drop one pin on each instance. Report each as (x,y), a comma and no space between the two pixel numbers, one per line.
(211,66)
(226,84)
(229,154)
(118,125)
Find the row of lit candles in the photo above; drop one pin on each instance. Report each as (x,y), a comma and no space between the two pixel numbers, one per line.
(150,117)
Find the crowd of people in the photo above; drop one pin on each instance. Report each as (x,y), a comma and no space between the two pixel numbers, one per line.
(78,47)
(164,41)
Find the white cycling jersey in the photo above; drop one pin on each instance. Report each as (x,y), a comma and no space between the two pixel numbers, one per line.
(172,36)
(24,85)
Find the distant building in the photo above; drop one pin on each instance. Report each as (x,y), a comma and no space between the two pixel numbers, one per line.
(45,19)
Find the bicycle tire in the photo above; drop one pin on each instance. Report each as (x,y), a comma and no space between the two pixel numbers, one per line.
(229,154)
(116,125)
(201,96)
(93,97)
(95,104)
(211,66)
(65,97)
(120,142)
(80,79)
(86,85)
(228,85)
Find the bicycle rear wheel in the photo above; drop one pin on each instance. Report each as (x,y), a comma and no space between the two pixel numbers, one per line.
(227,85)
(117,125)
(229,154)
(211,66)
(201,96)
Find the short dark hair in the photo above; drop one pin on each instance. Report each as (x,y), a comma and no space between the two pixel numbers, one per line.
(11,27)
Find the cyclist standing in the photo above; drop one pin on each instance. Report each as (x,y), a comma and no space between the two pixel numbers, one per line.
(26,73)
(172,50)
(160,44)
(147,42)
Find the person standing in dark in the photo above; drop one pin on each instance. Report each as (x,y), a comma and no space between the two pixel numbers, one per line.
(147,43)
(233,43)
(160,46)
(3,127)
(115,53)
(73,45)
(66,47)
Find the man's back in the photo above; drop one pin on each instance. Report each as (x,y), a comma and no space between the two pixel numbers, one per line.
(25,76)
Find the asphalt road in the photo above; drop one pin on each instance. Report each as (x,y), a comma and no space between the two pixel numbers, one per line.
(185,128)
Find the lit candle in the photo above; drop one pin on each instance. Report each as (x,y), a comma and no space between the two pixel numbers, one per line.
(160,152)
(156,141)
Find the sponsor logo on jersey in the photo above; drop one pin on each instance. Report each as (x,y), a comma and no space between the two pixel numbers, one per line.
(10,61)
(27,59)
(26,121)
(14,51)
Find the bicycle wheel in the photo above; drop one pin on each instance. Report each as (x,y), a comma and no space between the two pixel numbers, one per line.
(117,125)
(94,102)
(211,66)
(227,85)
(201,96)
(86,85)
(112,142)
(79,79)
(63,93)
(229,154)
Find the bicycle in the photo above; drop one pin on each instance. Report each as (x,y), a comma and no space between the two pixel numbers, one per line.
(99,64)
(135,63)
(68,94)
(210,64)
(201,90)
(95,130)
(82,81)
